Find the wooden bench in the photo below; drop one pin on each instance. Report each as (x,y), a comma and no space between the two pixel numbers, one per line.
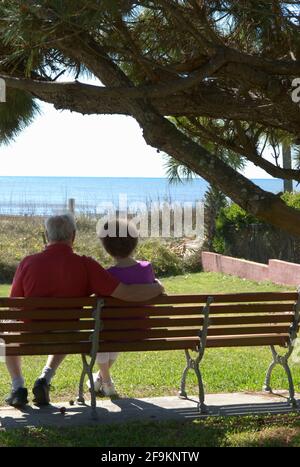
(186,322)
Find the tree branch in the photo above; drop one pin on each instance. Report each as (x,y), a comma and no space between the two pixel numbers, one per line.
(162,134)
(208,100)
(74,96)
(247,150)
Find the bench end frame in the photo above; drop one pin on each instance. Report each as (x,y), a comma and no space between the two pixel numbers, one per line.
(282,360)
(88,367)
(193,364)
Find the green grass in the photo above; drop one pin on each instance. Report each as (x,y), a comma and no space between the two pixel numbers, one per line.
(4,290)
(146,374)
(276,431)
(203,282)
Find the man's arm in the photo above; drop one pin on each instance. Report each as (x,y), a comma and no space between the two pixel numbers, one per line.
(138,293)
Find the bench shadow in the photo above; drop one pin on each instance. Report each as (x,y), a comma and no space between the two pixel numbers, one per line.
(51,415)
(231,410)
(150,411)
(119,410)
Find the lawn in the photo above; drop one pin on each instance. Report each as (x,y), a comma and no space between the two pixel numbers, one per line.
(157,374)
(267,431)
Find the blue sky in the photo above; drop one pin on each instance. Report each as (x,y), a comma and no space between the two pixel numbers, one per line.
(61,143)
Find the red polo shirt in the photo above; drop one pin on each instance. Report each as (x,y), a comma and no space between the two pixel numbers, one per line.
(59,272)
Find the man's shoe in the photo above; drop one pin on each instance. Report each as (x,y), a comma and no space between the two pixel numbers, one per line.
(41,392)
(17,398)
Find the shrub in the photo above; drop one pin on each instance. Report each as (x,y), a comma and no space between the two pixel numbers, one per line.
(7,272)
(241,234)
(292,199)
(192,262)
(22,236)
(164,260)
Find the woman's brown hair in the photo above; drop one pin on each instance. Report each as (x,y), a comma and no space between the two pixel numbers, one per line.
(122,242)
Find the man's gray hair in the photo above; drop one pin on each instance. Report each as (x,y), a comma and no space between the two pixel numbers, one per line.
(60,228)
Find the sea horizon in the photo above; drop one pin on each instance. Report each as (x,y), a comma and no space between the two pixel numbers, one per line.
(40,194)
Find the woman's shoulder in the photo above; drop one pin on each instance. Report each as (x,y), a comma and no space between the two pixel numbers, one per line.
(138,264)
(144,264)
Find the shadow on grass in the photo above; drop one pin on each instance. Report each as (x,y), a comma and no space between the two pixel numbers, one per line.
(278,430)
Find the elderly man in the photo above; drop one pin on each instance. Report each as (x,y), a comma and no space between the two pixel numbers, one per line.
(59,272)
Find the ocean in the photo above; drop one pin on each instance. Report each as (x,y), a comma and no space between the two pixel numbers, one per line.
(45,195)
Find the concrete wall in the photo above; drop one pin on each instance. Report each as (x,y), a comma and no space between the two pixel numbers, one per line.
(280,272)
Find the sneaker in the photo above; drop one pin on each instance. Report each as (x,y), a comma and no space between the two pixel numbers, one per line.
(41,392)
(17,398)
(97,382)
(108,389)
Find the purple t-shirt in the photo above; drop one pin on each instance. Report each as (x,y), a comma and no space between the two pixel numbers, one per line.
(140,273)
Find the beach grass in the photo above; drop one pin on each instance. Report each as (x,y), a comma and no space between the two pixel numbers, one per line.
(22,236)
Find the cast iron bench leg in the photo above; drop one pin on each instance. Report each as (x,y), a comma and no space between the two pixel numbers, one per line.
(80,397)
(193,364)
(281,360)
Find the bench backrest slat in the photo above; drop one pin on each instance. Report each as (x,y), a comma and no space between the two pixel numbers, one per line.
(218,298)
(192,321)
(44,338)
(135,335)
(39,326)
(229,308)
(46,325)
(55,314)
(48,302)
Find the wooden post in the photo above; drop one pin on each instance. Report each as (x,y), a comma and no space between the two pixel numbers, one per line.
(71,205)
(287,164)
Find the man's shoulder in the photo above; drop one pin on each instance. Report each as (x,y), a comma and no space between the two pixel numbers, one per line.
(88,260)
(31,258)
